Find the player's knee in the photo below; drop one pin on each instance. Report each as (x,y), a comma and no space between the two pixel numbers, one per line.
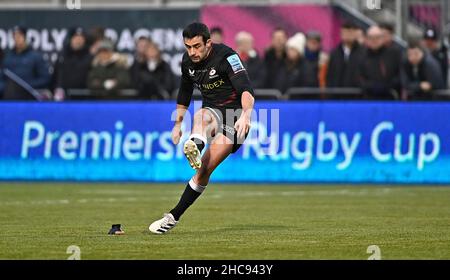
(202,118)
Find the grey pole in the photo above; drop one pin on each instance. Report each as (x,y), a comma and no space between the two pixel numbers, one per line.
(404,18)
(444,17)
(398,18)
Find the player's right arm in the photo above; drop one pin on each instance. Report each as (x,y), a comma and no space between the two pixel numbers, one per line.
(183,101)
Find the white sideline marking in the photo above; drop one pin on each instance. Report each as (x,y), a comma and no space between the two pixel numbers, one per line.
(66,201)
(345,192)
(174,195)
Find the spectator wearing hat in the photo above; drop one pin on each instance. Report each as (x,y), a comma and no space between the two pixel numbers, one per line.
(421,73)
(293,72)
(438,51)
(316,60)
(275,55)
(343,68)
(28,65)
(249,57)
(109,73)
(73,65)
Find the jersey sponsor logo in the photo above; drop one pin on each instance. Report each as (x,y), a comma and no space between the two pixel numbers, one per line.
(235,63)
(213,85)
(213,73)
(191,72)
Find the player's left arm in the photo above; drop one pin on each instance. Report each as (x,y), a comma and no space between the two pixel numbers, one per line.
(242,125)
(241,83)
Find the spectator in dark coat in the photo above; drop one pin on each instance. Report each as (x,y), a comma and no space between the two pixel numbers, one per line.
(343,68)
(421,73)
(28,65)
(154,78)
(109,72)
(293,72)
(360,35)
(73,65)
(379,74)
(316,60)
(249,57)
(275,56)
(395,50)
(140,54)
(139,59)
(439,52)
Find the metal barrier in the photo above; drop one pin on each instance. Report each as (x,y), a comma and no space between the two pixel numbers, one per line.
(300,93)
(267,94)
(323,93)
(443,94)
(85,94)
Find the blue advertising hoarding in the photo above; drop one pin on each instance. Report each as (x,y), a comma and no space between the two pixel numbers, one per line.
(289,142)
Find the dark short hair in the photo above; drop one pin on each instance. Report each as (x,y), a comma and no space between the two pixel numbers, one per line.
(279,28)
(20,29)
(414,44)
(216,29)
(349,25)
(144,38)
(387,26)
(196,29)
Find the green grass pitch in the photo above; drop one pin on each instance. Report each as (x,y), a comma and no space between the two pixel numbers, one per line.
(229,221)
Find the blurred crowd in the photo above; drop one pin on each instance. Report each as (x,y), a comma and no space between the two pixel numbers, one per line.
(88,61)
(369,60)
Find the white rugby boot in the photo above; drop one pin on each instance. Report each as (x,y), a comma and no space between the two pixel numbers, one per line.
(163,225)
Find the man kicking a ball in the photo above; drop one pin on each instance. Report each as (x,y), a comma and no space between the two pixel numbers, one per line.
(223,121)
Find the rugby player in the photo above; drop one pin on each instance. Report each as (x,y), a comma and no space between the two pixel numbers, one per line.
(223,122)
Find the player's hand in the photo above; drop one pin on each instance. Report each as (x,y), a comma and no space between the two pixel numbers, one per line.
(176,134)
(242,125)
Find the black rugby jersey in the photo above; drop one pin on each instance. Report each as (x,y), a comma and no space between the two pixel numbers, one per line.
(221,78)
